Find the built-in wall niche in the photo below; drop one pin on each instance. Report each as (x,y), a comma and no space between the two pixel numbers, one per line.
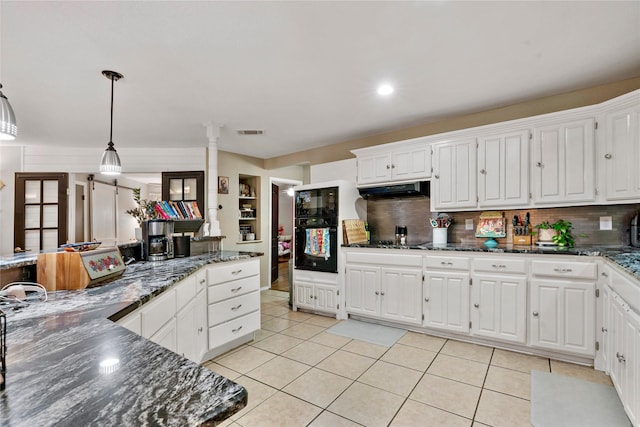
(248,209)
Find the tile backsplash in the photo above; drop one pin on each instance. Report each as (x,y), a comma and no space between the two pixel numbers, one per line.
(414,212)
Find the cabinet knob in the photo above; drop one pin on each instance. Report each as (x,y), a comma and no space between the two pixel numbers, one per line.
(483,172)
(604,274)
(381,293)
(236,272)
(476,305)
(202,281)
(393,166)
(620,357)
(200,329)
(426,300)
(315,297)
(539,164)
(436,176)
(234,290)
(377,293)
(608,156)
(388,166)
(604,329)
(535,314)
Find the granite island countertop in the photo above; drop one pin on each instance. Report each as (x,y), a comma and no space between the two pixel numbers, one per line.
(54,351)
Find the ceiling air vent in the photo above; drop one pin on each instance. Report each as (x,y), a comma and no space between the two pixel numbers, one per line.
(250,131)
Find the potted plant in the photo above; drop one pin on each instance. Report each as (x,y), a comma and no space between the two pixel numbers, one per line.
(144,211)
(560,233)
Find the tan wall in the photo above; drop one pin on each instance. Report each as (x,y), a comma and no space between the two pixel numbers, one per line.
(233,165)
(549,104)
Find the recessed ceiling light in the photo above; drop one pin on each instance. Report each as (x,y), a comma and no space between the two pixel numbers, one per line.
(385,89)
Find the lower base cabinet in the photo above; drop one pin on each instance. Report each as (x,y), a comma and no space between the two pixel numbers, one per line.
(446,301)
(316,297)
(563,316)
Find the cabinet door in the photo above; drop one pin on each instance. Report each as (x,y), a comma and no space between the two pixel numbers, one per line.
(563,163)
(446,301)
(622,155)
(563,316)
(202,338)
(325,298)
(412,163)
(503,170)
(499,307)
(401,295)
(187,331)
(166,336)
(362,290)
(454,184)
(375,168)
(303,294)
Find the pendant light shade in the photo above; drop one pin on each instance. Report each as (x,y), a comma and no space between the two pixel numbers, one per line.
(110,163)
(8,126)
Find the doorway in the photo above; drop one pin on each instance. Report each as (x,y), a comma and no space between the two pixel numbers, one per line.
(281,232)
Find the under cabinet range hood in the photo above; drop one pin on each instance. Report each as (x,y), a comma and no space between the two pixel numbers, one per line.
(414,189)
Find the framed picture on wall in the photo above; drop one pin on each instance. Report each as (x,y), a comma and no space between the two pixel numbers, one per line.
(223,185)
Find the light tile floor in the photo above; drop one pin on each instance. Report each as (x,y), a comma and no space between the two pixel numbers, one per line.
(297,374)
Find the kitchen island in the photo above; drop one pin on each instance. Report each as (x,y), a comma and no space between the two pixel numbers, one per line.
(68,363)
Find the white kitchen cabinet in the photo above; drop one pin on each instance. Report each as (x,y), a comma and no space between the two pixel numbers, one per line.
(563,163)
(446,301)
(405,161)
(499,305)
(187,331)
(233,298)
(401,295)
(622,154)
(362,283)
(315,296)
(563,315)
(166,336)
(454,184)
(503,169)
(385,286)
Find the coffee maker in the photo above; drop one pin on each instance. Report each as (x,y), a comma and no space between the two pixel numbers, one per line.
(157,243)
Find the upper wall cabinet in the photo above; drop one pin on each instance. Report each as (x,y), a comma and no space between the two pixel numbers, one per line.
(454,175)
(503,169)
(622,156)
(402,161)
(563,170)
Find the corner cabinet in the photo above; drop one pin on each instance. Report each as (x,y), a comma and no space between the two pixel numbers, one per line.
(454,183)
(402,161)
(248,209)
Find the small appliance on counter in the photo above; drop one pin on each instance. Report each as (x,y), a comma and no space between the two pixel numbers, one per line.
(181,246)
(157,241)
(78,270)
(401,235)
(635,231)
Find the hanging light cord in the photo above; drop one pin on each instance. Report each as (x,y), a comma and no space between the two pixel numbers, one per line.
(111,126)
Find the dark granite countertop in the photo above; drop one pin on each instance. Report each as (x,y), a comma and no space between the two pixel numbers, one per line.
(626,257)
(54,350)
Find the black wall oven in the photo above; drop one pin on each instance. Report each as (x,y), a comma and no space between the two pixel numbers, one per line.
(316,229)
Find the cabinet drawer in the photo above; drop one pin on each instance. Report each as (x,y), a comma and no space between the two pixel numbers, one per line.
(201,280)
(158,312)
(222,334)
(232,271)
(185,291)
(234,307)
(447,263)
(571,270)
(513,266)
(379,258)
(232,289)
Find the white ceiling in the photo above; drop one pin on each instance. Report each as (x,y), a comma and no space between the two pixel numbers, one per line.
(305,72)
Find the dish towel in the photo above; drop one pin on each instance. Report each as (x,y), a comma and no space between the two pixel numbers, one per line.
(317,242)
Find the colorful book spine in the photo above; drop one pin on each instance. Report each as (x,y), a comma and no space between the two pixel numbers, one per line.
(160,211)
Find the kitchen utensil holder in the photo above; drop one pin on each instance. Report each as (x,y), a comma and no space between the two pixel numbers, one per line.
(440,236)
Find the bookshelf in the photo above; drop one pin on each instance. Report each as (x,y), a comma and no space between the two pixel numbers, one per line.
(185,187)
(248,208)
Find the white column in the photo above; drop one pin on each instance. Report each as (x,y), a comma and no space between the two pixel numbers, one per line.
(213,133)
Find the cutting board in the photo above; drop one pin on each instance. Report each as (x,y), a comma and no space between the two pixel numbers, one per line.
(59,271)
(353,231)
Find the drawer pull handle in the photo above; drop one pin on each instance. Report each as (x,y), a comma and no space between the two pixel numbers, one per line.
(234,290)
(608,156)
(436,176)
(499,266)
(476,305)
(604,273)
(202,281)
(535,314)
(236,272)
(446,263)
(236,308)
(620,357)
(604,329)
(236,330)
(200,329)
(388,166)
(562,270)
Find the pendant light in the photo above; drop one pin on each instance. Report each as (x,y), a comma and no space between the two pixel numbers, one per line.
(8,126)
(110,163)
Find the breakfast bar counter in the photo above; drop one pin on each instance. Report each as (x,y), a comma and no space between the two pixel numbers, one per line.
(68,363)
